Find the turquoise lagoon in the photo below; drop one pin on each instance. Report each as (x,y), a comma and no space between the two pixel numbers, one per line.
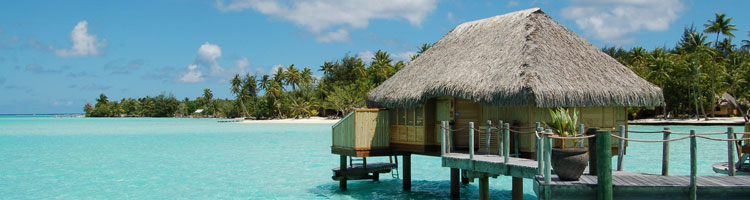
(148,158)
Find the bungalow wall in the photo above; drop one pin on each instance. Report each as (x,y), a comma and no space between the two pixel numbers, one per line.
(417,130)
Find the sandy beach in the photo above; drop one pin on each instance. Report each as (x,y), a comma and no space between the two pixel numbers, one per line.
(311,120)
(692,121)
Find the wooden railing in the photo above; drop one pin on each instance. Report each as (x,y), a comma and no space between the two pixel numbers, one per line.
(362,129)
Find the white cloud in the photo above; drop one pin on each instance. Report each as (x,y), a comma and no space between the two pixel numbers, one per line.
(404,56)
(366,56)
(340,35)
(613,21)
(62,103)
(207,54)
(192,75)
(275,68)
(84,43)
(512,3)
(241,66)
(320,17)
(242,63)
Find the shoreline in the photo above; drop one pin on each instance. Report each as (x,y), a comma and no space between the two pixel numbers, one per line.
(726,121)
(311,120)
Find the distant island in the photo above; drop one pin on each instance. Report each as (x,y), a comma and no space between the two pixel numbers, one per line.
(287,93)
(694,76)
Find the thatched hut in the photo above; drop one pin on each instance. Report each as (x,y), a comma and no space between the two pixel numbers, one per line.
(511,67)
(727,106)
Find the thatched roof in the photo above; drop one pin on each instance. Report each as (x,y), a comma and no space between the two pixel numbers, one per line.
(517,59)
(728,100)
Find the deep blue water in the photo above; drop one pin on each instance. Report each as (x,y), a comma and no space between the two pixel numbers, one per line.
(150,158)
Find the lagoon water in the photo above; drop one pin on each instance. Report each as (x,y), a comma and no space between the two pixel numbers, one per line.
(149,158)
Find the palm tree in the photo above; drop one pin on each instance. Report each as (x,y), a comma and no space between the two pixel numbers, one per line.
(659,71)
(292,77)
(102,100)
(381,67)
(327,68)
(208,98)
(265,81)
(421,50)
(250,86)
(279,76)
(424,48)
(746,43)
(720,26)
(238,90)
(638,57)
(306,76)
(694,43)
(274,92)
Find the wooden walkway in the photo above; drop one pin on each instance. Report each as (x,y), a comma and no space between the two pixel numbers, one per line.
(626,185)
(492,164)
(629,185)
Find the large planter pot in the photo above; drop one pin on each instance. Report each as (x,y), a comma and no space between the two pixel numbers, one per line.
(569,163)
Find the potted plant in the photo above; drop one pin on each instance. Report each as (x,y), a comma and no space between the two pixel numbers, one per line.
(568,162)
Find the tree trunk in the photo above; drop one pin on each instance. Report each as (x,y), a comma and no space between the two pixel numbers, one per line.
(697,91)
(713,79)
(664,107)
(244,109)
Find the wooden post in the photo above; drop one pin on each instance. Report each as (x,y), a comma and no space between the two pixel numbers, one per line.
(517,193)
(407,172)
(665,154)
(592,151)
(500,137)
(604,165)
(730,152)
(489,135)
(464,178)
(484,188)
(506,142)
(455,179)
(515,145)
(442,137)
(620,147)
(693,167)
(342,167)
(539,151)
(471,140)
(547,164)
(581,132)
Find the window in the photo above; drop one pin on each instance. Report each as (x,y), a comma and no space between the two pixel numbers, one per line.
(407,116)
(401,116)
(410,117)
(392,116)
(419,116)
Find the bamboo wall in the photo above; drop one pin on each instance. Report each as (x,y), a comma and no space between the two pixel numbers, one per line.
(608,118)
(363,129)
(371,129)
(343,132)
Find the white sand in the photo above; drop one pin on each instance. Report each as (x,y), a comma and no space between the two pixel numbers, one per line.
(715,120)
(311,120)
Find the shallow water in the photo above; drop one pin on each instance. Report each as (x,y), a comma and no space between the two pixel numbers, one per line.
(149,158)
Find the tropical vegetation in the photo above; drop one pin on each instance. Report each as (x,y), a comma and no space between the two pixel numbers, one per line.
(289,92)
(693,75)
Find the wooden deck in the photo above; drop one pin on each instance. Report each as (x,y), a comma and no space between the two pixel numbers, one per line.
(629,185)
(626,185)
(359,172)
(492,164)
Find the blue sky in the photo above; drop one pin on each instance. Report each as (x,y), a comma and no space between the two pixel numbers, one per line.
(57,55)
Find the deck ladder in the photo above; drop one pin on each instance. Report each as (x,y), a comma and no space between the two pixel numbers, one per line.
(394,172)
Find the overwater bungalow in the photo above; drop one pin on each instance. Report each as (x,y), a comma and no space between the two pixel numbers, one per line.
(512,67)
